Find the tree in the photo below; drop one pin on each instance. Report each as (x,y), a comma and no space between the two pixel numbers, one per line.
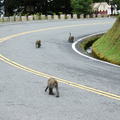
(117,2)
(12,6)
(1,4)
(9,6)
(1,8)
(60,6)
(100,1)
(81,6)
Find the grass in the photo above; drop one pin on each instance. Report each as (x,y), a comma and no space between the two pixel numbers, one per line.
(108,46)
(87,42)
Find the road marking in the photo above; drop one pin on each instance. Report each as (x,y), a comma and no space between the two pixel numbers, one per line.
(27,69)
(92,58)
(46,29)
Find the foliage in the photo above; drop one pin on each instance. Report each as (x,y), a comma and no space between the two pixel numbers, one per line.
(117,2)
(37,6)
(10,6)
(81,6)
(51,6)
(100,0)
(108,46)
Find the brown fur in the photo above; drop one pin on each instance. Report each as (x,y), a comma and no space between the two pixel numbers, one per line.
(71,39)
(38,43)
(52,83)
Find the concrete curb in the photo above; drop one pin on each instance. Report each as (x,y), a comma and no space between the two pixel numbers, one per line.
(82,54)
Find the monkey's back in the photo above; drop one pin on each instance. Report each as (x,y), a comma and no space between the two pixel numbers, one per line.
(71,39)
(52,82)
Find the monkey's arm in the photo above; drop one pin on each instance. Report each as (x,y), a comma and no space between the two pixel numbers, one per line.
(46,88)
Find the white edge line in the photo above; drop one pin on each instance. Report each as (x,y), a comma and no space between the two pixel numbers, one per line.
(81,39)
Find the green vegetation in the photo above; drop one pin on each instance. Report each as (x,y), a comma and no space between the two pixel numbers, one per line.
(81,6)
(50,6)
(108,46)
(87,42)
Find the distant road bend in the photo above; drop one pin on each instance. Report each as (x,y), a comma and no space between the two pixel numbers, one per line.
(54,59)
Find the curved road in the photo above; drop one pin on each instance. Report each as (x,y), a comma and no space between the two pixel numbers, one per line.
(89,90)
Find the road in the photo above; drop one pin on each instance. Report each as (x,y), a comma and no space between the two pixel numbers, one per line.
(85,85)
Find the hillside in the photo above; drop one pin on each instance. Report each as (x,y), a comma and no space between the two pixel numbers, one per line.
(108,46)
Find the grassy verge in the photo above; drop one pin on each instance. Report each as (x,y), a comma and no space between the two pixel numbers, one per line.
(87,42)
(108,46)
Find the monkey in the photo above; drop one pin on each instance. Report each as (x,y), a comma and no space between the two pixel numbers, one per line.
(38,43)
(71,38)
(52,83)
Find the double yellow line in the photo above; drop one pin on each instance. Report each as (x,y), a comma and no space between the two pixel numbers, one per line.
(27,69)
(45,29)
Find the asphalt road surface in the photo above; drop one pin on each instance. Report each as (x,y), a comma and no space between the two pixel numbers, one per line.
(89,89)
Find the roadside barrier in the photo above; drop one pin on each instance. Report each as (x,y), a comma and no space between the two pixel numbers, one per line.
(48,17)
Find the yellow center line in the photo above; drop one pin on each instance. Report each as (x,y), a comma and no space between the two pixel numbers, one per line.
(45,29)
(27,69)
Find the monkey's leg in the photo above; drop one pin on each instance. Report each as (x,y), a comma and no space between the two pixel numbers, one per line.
(57,91)
(46,88)
(51,91)
(39,45)
(36,45)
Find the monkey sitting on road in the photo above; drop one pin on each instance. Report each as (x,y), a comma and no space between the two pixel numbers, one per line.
(38,43)
(52,83)
(71,38)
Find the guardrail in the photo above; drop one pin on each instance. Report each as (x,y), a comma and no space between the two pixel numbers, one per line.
(48,17)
